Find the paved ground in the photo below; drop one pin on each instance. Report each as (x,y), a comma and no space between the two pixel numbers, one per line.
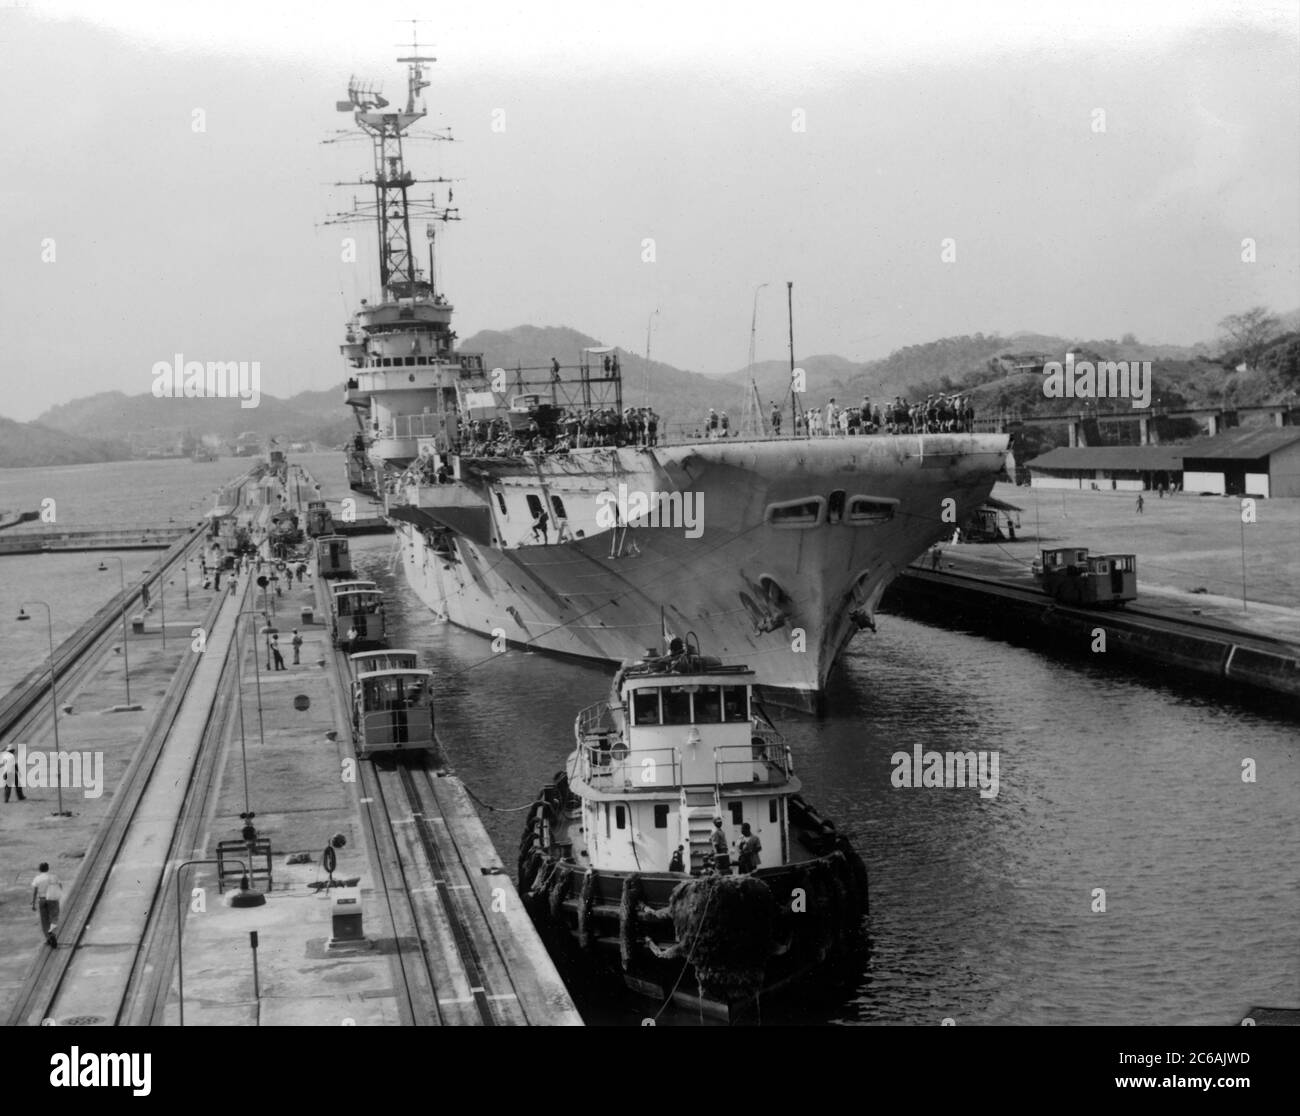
(299,788)
(1182,543)
(31,831)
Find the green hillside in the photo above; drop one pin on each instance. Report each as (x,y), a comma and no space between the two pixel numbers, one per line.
(24,444)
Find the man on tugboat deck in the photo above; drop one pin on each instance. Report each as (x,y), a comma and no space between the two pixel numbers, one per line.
(750,847)
(721,856)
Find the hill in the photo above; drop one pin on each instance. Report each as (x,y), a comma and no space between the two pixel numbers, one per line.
(999,372)
(680,397)
(147,423)
(25,444)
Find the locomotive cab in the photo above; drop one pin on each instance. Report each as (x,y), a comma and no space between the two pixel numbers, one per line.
(332,557)
(357,619)
(393,712)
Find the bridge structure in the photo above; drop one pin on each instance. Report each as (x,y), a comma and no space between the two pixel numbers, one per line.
(1213,420)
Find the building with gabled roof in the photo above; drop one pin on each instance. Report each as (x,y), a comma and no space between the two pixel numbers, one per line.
(1259,461)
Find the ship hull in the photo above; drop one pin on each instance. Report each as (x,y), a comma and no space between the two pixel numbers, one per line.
(783,600)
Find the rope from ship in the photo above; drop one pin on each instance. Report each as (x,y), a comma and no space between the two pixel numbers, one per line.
(530,865)
(810,878)
(841,899)
(504,809)
(627,918)
(559,885)
(687,964)
(543,871)
(585,903)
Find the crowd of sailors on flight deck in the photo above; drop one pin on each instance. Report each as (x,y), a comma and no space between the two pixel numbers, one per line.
(574,429)
(937,414)
(639,426)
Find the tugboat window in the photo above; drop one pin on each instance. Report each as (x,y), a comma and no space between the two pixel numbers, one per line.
(534,506)
(501,501)
(708,706)
(661,817)
(620,816)
(645,707)
(677,706)
(737,812)
(735,704)
(557,506)
(771,810)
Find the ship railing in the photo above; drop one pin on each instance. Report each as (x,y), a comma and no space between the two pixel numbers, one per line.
(606,763)
(765,759)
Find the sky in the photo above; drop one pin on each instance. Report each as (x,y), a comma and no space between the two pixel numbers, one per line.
(917,171)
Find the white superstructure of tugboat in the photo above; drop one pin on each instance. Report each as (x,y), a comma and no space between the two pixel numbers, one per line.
(618,860)
(580,548)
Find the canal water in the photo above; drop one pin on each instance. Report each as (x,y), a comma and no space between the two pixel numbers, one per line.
(983,909)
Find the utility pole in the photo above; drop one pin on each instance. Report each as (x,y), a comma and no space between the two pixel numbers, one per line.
(789,306)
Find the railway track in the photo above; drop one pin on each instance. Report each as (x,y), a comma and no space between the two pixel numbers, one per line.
(449,949)
(112,951)
(453,969)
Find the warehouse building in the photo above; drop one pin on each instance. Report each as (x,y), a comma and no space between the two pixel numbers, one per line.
(1108,468)
(1260,461)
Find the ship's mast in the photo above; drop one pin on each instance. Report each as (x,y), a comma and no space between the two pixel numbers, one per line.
(751,415)
(399,273)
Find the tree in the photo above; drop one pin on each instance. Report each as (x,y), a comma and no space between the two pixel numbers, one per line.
(1283,359)
(1250,332)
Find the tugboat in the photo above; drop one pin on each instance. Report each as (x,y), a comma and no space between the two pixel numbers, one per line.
(626,859)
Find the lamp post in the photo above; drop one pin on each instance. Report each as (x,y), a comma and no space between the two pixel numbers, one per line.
(54,701)
(126,657)
(180,919)
(247,815)
(162,604)
(645,380)
(753,387)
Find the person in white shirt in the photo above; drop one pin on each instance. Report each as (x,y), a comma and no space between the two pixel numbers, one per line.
(47,891)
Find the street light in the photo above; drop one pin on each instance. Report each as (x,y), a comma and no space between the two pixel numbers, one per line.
(162,603)
(54,700)
(126,657)
(249,833)
(645,380)
(753,387)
